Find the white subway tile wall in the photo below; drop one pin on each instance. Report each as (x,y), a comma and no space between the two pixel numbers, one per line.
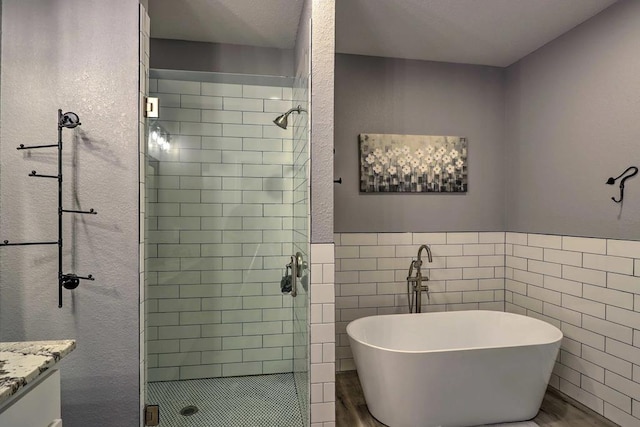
(587,287)
(467,273)
(590,289)
(220,232)
(323,337)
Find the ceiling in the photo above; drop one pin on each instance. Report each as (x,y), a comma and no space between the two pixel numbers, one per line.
(488,32)
(264,23)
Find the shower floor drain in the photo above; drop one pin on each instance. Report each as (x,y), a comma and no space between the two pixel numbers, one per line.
(188,410)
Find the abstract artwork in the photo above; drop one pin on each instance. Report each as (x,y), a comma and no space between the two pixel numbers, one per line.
(412,163)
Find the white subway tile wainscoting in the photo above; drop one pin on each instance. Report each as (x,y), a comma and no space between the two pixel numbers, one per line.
(587,287)
(323,339)
(467,273)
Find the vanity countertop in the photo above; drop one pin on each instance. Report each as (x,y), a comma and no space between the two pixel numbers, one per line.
(22,362)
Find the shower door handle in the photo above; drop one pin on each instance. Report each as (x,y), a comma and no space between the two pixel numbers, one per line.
(296,272)
(294,276)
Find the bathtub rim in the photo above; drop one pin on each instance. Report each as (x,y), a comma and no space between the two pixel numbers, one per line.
(539,343)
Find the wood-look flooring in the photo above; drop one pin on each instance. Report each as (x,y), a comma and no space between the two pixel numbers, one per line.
(557,410)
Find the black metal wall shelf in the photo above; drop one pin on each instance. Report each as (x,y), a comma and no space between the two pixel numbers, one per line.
(67,120)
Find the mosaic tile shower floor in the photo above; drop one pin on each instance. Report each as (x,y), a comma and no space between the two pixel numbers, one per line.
(252,401)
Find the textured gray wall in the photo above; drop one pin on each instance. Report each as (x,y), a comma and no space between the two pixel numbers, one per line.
(572,121)
(0,98)
(224,58)
(323,29)
(383,95)
(81,56)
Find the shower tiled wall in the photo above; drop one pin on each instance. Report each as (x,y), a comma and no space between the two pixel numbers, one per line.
(590,289)
(467,273)
(220,232)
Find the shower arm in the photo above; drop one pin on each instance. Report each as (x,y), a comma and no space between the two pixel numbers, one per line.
(297,109)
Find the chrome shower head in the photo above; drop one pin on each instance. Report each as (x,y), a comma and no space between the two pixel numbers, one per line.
(282,122)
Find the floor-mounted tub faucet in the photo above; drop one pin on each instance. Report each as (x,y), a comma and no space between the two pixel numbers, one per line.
(414,283)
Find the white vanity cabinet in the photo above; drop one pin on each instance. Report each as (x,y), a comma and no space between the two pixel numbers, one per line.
(30,382)
(38,405)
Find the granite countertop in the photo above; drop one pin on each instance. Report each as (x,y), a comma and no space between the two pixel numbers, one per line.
(22,362)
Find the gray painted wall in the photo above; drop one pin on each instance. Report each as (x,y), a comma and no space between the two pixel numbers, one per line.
(303,41)
(323,50)
(0,94)
(572,121)
(218,57)
(81,56)
(384,95)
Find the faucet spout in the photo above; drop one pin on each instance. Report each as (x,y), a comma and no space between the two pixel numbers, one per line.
(424,247)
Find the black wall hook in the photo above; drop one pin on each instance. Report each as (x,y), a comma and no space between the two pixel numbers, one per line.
(613,180)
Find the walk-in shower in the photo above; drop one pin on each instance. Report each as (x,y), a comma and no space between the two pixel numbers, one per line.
(226,210)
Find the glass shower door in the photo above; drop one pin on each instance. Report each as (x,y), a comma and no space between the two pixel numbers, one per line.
(224,345)
(300,241)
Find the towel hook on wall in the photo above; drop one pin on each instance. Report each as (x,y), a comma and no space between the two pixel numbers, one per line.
(613,180)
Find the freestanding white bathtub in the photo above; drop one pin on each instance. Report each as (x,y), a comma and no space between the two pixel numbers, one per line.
(461,368)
